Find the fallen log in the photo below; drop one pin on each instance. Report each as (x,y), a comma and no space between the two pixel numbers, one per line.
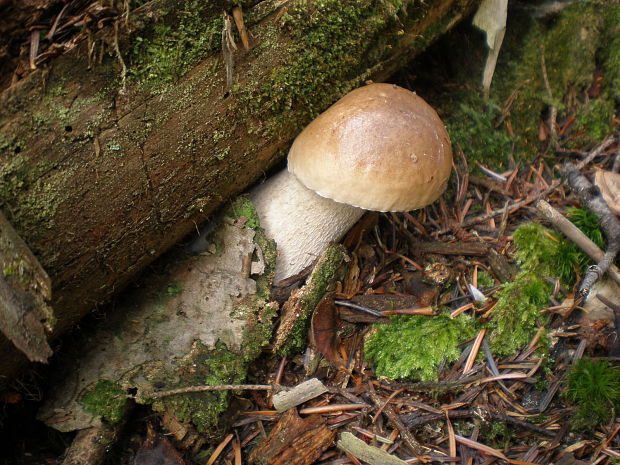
(120,147)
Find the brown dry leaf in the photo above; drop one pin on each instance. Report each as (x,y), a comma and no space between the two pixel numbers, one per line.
(608,183)
(294,441)
(324,331)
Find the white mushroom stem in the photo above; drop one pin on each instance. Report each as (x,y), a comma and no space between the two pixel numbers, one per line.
(301,222)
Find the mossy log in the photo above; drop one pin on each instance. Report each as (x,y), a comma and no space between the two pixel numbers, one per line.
(119,148)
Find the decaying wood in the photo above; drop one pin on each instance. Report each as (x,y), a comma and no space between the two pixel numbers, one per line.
(91,445)
(307,390)
(100,182)
(169,334)
(503,270)
(302,302)
(25,289)
(294,441)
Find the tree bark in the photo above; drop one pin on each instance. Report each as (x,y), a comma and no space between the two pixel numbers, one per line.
(106,161)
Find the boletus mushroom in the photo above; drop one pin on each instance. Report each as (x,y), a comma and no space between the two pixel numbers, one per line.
(380,147)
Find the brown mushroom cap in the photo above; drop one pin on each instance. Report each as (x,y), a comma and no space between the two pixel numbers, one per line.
(380,147)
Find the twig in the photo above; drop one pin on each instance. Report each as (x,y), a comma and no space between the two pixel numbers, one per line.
(574,234)
(219,387)
(553,113)
(610,224)
(596,151)
(413,444)
(119,56)
(228,47)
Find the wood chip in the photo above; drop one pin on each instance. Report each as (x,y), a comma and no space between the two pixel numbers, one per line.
(301,393)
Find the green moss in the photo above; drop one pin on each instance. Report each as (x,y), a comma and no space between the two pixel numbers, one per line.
(10,269)
(220,365)
(243,207)
(573,45)
(107,400)
(540,254)
(415,346)
(594,386)
(497,434)
(516,315)
(166,50)
(173,289)
(471,126)
(485,280)
(320,61)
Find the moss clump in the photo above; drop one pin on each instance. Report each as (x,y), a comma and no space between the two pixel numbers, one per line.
(106,400)
(415,346)
(540,253)
(220,365)
(243,207)
(573,46)
(594,387)
(516,315)
(165,51)
(471,126)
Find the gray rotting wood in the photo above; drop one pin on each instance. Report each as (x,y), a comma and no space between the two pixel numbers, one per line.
(307,390)
(99,182)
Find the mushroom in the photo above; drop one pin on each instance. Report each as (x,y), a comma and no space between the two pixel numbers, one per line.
(380,147)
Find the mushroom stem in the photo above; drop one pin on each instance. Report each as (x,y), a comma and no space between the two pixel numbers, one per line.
(301,222)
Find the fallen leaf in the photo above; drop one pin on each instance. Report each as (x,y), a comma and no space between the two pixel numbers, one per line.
(324,331)
(608,183)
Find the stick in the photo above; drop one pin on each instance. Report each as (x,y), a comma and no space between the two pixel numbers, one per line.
(574,234)
(219,387)
(307,390)
(610,224)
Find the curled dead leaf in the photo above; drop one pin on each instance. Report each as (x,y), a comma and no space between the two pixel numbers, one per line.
(608,183)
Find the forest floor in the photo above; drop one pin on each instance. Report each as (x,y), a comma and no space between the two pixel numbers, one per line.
(457,334)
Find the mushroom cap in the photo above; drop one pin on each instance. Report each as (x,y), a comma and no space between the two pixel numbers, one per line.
(380,147)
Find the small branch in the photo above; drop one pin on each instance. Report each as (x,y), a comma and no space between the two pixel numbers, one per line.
(610,224)
(413,444)
(574,234)
(596,151)
(553,113)
(219,387)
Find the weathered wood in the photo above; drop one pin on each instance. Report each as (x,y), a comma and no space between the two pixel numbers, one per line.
(294,441)
(25,289)
(307,390)
(101,175)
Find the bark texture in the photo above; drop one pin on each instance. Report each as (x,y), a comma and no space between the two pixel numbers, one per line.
(118,149)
